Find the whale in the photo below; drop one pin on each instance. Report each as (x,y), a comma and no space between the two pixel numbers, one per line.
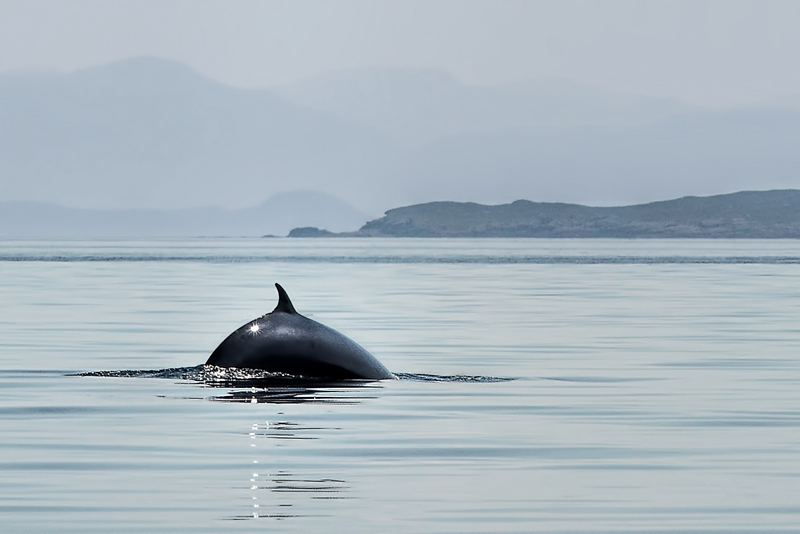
(283,341)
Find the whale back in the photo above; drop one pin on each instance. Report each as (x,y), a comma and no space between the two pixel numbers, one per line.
(284,341)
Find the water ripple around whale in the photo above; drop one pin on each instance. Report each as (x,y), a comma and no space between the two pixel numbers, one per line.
(214,376)
(258,386)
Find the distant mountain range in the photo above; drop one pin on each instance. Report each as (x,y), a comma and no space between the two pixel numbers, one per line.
(276,216)
(152,134)
(748,214)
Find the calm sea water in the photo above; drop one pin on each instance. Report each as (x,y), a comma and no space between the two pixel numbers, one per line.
(656,387)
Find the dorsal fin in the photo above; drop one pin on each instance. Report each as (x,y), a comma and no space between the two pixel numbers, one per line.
(284,304)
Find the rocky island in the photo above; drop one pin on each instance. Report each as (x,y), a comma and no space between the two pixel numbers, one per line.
(747,215)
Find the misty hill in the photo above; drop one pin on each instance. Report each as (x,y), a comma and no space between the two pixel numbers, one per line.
(748,214)
(416,106)
(149,133)
(276,216)
(152,134)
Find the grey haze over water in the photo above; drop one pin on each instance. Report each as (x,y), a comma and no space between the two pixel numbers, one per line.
(148,133)
(146,105)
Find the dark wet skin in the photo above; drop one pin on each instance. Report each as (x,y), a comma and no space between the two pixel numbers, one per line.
(284,341)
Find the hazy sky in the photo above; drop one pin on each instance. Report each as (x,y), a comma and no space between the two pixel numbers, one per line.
(708,52)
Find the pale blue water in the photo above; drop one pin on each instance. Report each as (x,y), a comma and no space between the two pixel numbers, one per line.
(655,387)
